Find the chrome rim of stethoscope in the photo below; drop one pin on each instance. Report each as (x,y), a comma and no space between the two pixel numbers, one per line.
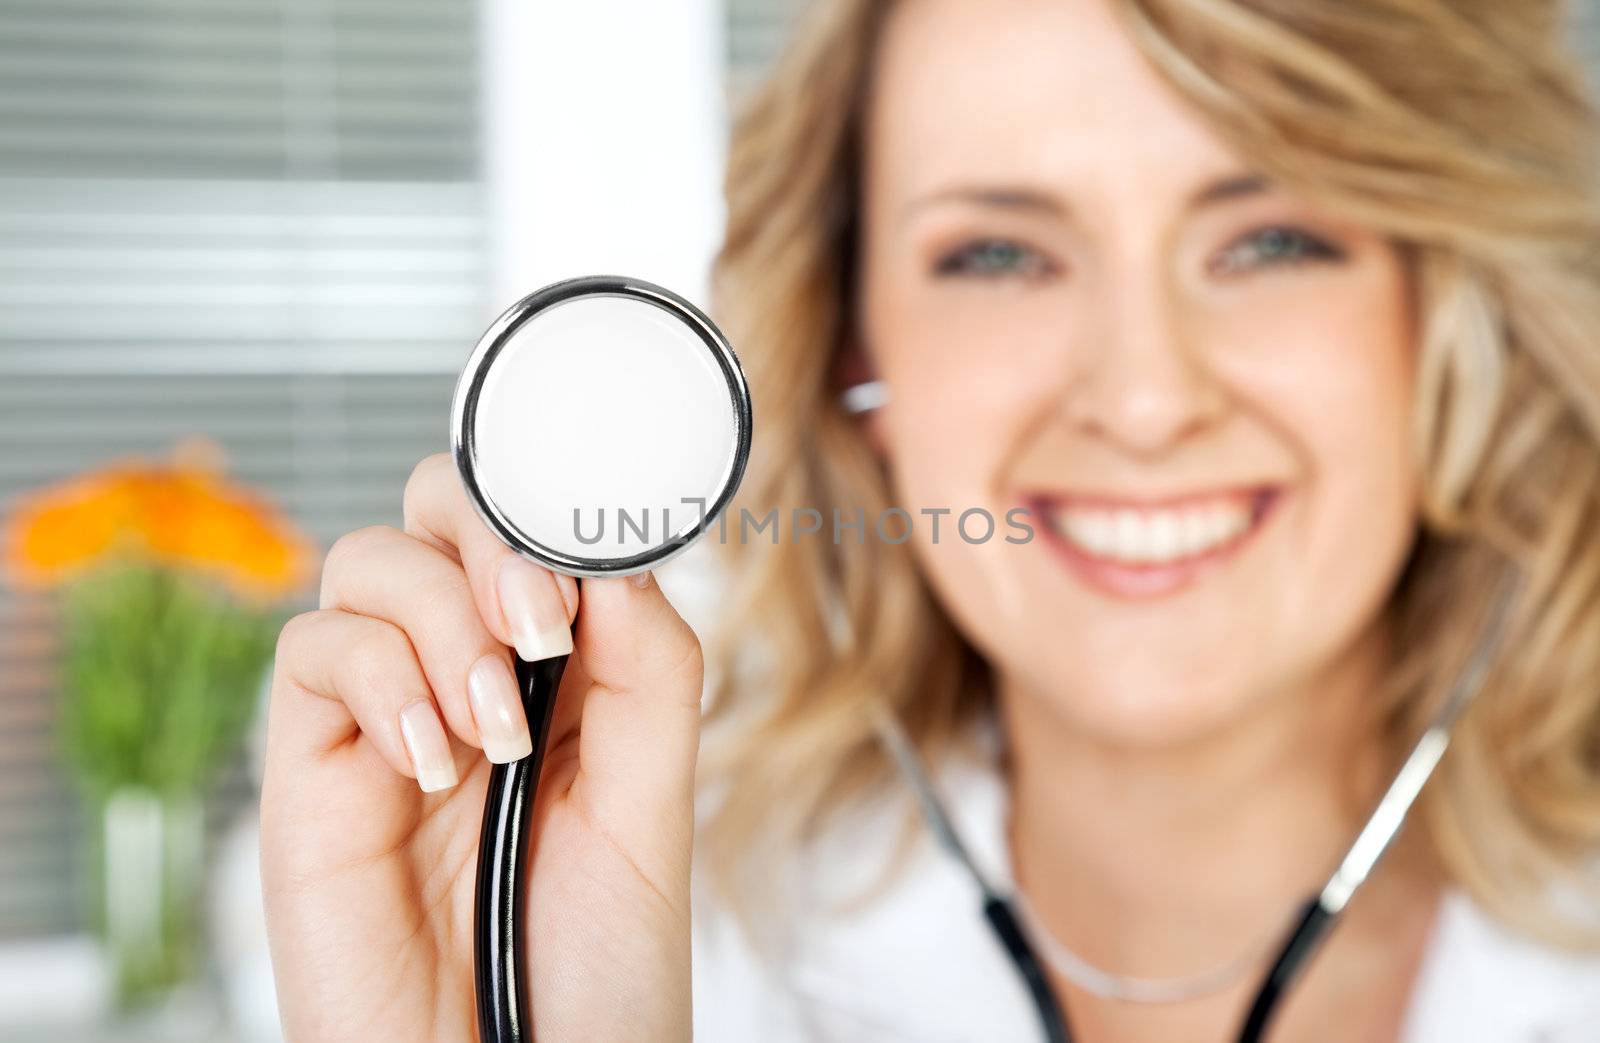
(463,417)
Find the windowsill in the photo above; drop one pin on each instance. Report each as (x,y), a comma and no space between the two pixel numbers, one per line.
(59,989)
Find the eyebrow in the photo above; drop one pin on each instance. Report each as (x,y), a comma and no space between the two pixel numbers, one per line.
(1001,197)
(1234,186)
(1029,199)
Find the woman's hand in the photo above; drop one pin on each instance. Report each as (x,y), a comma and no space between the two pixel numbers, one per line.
(388,704)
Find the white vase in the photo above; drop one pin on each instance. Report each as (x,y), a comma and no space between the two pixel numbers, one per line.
(151,873)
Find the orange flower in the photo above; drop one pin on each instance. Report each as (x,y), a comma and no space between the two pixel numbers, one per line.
(183,513)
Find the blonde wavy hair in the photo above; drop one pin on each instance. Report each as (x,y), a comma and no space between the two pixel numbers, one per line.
(1460,128)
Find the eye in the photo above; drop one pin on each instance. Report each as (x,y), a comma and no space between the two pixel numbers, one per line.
(1273,246)
(993,258)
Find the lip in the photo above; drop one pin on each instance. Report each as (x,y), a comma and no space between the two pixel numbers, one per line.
(1143,582)
(1152,501)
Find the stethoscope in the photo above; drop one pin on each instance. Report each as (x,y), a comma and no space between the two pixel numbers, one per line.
(611,393)
(600,426)
(1312,921)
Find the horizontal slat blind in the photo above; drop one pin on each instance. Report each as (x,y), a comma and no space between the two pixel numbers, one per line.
(245,276)
(257,220)
(350,89)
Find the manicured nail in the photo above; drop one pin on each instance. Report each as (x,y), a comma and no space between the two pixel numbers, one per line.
(428,746)
(497,707)
(534,610)
(641,579)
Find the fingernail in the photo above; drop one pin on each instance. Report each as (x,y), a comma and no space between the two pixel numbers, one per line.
(428,746)
(641,579)
(534,610)
(497,707)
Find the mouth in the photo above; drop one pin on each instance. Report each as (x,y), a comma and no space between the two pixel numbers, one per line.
(1143,548)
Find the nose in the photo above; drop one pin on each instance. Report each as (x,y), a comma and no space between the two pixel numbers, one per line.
(1141,383)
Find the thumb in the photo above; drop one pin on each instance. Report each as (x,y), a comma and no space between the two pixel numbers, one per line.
(639,733)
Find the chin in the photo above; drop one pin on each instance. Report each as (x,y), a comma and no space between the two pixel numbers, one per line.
(1140,709)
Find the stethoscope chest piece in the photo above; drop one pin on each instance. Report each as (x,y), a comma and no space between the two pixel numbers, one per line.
(601,425)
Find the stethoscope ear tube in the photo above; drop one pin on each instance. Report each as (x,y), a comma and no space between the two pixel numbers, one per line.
(1052,1015)
(499,918)
(1313,922)
(1316,918)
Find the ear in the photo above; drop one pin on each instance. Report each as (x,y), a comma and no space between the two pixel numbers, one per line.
(853,365)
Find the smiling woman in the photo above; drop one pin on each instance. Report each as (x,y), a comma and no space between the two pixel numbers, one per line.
(1281,317)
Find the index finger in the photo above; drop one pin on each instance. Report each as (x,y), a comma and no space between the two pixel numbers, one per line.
(523,604)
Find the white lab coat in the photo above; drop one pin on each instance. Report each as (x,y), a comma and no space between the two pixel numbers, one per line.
(920,963)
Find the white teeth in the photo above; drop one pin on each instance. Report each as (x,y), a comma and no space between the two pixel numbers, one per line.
(1161,530)
(1196,531)
(1152,536)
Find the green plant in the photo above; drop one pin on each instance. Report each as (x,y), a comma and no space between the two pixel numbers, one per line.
(160,675)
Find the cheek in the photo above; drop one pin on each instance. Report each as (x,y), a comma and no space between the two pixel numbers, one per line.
(963,398)
(1334,382)
(943,444)
(1335,372)
(965,382)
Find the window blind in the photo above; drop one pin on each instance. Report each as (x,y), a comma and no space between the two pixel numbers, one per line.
(258,220)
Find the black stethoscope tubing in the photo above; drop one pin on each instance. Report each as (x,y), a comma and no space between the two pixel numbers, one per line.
(500,914)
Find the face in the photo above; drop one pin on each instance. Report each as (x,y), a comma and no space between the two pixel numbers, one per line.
(1196,385)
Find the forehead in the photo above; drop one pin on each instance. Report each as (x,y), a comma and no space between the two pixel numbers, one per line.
(1049,89)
